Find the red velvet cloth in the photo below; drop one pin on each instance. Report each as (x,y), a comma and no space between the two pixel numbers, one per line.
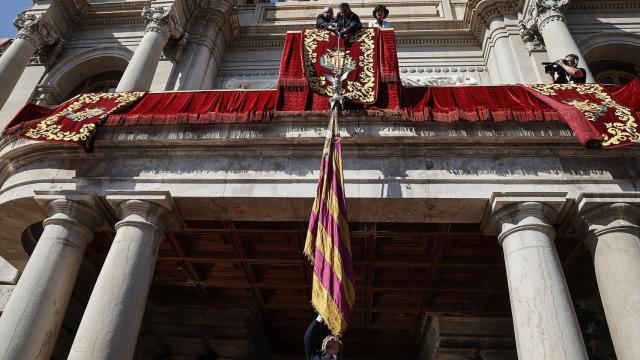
(28,116)
(389,70)
(474,103)
(291,73)
(199,107)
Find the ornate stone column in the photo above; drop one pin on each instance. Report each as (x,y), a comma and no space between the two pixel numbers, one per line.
(111,322)
(544,319)
(31,321)
(613,238)
(32,34)
(142,67)
(545,17)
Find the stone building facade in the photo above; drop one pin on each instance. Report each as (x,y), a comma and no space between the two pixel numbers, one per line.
(471,240)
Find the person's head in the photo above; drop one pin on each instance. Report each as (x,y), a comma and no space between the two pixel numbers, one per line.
(380,12)
(345,9)
(328,12)
(331,345)
(572,60)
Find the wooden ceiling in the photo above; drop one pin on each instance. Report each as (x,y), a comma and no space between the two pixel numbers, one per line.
(404,272)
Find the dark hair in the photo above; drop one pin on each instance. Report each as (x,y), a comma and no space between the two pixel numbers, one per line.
(344,5)
(383,8)
(573,56)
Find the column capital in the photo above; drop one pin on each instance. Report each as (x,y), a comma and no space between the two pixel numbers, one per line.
(161,20)
(601,213)
(77,207)
(508,212)
(538,14)
(33,29)
(150,208)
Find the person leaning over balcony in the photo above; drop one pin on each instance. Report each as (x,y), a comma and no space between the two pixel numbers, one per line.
(348,22)
(380,13)
(325,20)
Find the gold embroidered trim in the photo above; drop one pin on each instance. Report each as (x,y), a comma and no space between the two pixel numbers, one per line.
(362,90)
(48,130)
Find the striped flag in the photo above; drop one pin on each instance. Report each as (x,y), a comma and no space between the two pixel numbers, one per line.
(328,246)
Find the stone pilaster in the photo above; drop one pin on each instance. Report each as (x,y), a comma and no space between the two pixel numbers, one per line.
(545,18)
(139,74)
(613,238)
(503,53)
(544,319)
(204,53)
(30,323)
(32,34)
(111,322)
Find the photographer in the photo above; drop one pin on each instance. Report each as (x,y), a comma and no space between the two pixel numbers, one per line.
(566,71)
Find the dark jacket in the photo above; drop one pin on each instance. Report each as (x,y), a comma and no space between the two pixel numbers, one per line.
(564,78)
(350,23)
(322,21)
(313,339)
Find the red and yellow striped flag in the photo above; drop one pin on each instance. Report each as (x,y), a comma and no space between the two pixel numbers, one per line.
(328,246)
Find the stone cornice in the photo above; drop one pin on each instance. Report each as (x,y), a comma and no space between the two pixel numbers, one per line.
(72,10)
(265,38)
(479,13)
(577,5)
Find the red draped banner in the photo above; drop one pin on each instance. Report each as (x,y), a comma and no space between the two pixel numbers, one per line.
(592,113)
(297,98)
(75,120)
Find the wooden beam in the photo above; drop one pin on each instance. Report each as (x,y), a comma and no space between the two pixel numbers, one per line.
(186,265)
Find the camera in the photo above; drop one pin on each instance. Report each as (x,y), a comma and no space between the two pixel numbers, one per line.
(552,67)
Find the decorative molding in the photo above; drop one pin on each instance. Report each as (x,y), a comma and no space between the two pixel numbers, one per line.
(174,48)
(48,55)
(231,73)
(442,69)
(439,80)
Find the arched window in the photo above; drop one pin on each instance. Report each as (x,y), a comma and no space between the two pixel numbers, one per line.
(95,70)
(614,63)
(102,82)
(614,72)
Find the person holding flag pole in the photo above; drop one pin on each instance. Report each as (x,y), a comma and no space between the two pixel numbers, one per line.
(328,245)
